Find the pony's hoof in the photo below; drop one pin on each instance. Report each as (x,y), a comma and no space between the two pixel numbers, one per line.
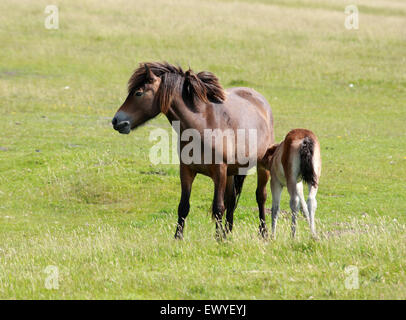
(220,236)
(263,232)
(178,236)
(229,229)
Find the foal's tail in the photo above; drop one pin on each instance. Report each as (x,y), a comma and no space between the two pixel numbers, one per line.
(306,152)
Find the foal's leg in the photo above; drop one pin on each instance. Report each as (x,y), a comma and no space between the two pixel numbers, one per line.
(220,181)
(230,198)
(276,188)
(186,179)
(312,206)
(262,180)
(303,205)
(294,203)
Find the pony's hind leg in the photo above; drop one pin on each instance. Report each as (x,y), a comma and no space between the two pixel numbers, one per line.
(312,206)
(186,178)
(276,189)
(261,195)
(229,201)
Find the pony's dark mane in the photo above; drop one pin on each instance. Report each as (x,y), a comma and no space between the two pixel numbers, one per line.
(203,86)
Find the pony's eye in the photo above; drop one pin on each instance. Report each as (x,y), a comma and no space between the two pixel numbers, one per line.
(139,93)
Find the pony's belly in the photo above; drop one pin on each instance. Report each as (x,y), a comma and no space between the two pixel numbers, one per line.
(235,169)
(208,169)
(204,169)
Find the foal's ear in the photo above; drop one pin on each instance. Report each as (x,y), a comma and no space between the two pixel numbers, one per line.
(150,76)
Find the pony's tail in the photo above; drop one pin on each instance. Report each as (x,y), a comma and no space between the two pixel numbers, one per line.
(306,152)
(238,182)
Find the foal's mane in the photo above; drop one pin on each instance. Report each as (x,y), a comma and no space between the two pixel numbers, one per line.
(203,86)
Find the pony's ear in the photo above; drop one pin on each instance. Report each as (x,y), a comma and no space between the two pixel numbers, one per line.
(150,76)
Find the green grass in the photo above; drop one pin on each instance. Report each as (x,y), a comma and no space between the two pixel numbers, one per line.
(77,195)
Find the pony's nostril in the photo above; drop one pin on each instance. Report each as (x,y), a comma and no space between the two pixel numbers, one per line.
(122,125)
(114,121)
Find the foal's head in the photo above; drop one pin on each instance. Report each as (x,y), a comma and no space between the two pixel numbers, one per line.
(269,154)
(153,87)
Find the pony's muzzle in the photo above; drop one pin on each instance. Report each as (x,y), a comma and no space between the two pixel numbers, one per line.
(121,126)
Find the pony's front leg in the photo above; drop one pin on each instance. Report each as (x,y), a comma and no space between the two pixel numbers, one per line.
(219,177)
(186,179)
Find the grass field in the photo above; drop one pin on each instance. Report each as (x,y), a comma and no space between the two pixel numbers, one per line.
(76,195)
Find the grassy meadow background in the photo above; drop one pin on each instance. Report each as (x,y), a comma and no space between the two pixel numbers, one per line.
(77,195)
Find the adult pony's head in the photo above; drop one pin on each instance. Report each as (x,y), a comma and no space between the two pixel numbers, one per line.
(153,87)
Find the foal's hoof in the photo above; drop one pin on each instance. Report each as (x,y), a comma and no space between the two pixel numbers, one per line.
(315,237)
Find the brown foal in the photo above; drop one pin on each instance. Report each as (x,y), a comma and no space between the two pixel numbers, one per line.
(295,159)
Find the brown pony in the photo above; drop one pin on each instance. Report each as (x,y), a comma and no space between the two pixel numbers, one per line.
(199,102)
